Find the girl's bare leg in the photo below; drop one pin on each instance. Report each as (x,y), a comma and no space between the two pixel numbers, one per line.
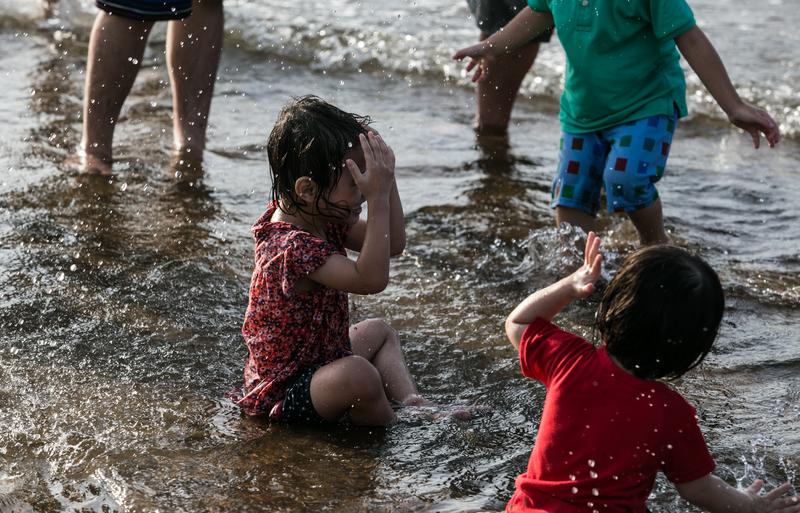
(377,342)
(116,46)
(351,385)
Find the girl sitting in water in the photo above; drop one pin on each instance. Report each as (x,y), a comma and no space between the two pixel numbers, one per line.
(306,364)
(609,425)
(623,95)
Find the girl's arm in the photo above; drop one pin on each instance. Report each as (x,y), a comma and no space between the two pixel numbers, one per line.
(397,227)
(715,495)
(704,60)
(525,26)
(547,302)
(369,273)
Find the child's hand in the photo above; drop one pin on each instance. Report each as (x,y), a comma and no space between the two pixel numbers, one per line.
(774,501)
(482,56)
(583,279)
(377,179)
(755,121)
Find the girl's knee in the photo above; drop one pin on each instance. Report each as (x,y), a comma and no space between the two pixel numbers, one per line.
(360,379)
(375,329)
(379,325)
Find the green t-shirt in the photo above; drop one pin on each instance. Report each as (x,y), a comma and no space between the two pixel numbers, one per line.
(622,62)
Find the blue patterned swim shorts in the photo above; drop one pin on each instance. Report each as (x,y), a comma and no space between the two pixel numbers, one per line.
(627,160)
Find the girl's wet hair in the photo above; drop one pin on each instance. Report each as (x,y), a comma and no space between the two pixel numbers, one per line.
(660,314)
(310,139)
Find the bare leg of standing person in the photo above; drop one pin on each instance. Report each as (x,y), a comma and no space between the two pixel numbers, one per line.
(116,46)
(496,94)
(649,223)
(193,51)
(576,217)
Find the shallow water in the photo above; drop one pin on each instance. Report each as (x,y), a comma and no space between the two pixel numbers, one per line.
(121,301)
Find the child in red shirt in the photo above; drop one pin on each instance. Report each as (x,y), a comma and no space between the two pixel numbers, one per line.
(305,362)
(609,425)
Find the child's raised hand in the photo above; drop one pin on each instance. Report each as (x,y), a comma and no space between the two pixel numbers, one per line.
(481,55)
(376,179)
(583,279)
(755,121)
(774,501)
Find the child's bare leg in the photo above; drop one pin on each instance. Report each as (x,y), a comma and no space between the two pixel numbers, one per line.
(351,384)
(193,50)
(497,94)
(649,224)
(116,46)
(377,342)
(575,217)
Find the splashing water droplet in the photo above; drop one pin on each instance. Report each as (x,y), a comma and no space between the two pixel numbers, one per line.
(123,186)
(593,474)
(595,492)
(591,463)
(574,489)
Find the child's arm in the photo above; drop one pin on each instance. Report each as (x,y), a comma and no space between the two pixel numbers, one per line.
(547,302)
(715,495)
(704,60)
(525,26)
(397,227)
(370,272)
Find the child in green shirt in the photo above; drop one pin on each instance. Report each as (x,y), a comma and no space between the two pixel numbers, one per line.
(624,92)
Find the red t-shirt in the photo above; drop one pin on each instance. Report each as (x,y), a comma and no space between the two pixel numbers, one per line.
(287,331)
(604,433)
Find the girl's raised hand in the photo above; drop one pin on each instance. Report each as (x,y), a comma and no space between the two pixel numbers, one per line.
(583,279)
(481,58)
(756,121)
(376,179)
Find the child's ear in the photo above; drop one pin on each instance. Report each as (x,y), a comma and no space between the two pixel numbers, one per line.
(305,189)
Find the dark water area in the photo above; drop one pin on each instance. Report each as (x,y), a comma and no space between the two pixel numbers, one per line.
(121,300)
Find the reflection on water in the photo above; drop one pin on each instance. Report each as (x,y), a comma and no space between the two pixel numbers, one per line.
(122,299)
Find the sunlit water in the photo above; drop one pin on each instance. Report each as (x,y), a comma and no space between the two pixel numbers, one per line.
(121,301)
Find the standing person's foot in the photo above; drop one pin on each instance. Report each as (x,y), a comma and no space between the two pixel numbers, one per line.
(185,166)
(89,164)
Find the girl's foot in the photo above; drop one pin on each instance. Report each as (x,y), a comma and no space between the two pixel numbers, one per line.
(439,411)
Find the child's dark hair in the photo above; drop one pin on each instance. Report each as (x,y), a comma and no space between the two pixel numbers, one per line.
(660,314)
(310,139)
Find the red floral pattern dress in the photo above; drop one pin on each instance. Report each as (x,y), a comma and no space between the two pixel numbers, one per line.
(287,331)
